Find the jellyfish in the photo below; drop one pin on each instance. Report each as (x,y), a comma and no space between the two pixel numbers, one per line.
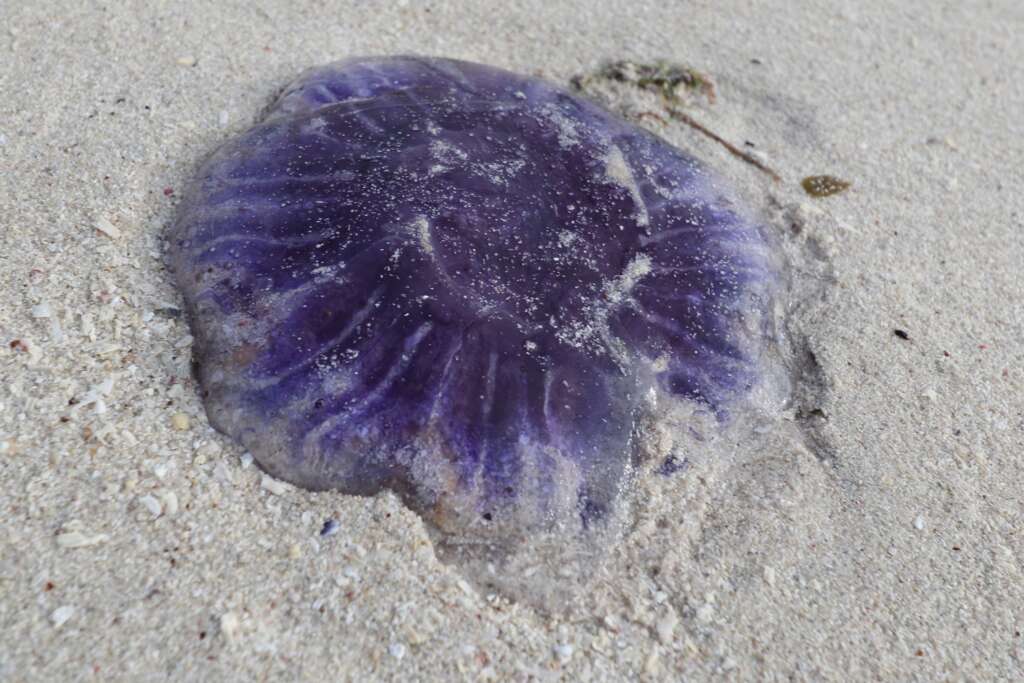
(464,285)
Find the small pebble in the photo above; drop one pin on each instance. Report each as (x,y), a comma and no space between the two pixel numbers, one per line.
(273,485)
(152,504)
(760,155)
(666,627)
(41,311)
(107,228)
(330,528)
(414,635)
(919,523)
(652,667)
(169,502)
(465,587)
(397,650)
(60,616)
(229,625)
(246,459)
(706,612)
(563,652)
(222,474)
(77,539)
(179,421)
(187,60)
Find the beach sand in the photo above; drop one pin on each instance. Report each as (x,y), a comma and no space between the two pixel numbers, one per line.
(875,535)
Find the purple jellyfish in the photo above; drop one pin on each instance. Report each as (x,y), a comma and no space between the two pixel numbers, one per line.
(462,284)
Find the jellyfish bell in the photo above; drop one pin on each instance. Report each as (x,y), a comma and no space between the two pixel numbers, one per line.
(464,285)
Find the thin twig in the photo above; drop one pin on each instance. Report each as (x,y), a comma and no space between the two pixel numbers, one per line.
(664,79)
(683,117)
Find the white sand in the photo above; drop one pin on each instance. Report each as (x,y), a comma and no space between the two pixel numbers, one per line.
(882,541)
